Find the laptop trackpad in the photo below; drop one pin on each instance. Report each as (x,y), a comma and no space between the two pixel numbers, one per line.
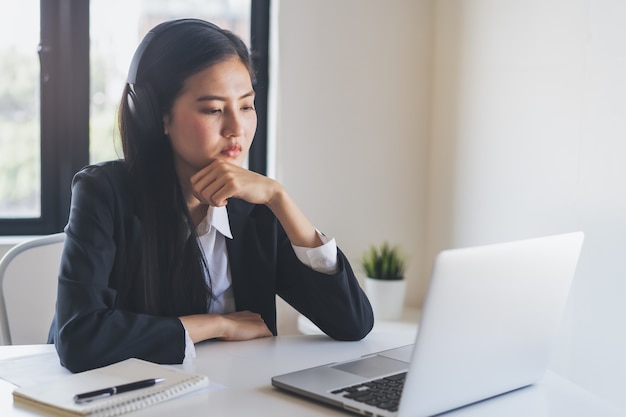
(373,366)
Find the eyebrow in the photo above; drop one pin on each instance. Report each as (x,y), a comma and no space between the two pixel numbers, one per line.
(220,98)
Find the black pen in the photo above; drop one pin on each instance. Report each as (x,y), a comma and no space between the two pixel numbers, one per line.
(107,392)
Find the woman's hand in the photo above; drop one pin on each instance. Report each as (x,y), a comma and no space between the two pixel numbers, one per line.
(221,180)
(244,325)
(241,325)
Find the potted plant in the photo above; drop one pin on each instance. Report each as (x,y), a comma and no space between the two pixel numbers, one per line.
(384,266)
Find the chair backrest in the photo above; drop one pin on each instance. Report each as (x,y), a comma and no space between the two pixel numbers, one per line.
(28,289)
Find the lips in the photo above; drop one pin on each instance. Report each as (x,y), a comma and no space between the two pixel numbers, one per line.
(232,151)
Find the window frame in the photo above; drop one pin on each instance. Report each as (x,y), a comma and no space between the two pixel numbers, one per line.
(64,81)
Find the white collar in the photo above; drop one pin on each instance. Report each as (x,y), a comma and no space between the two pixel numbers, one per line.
(216,217)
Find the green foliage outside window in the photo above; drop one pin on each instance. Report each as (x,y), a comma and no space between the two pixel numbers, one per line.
(19,134)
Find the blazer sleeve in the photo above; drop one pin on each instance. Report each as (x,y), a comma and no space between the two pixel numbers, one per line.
(335,303)
(91,328)
(263,264)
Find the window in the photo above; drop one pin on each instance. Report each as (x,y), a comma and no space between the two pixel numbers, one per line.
(85,48)
(20,184)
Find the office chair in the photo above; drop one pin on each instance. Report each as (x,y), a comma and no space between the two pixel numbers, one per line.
(28,289)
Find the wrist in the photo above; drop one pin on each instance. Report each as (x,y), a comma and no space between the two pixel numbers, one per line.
(201,327)
(222,326)
(277,198)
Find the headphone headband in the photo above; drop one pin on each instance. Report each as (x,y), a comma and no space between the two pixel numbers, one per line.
(155,32)
(134,64)
(142,101)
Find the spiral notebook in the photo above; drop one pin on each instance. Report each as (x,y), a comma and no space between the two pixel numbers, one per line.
(58,396)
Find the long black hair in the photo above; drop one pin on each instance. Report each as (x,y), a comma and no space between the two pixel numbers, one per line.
(169,279)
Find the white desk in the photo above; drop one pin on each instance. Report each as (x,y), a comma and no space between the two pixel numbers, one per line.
(245,368)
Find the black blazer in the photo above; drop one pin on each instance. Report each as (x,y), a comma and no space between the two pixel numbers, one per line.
(94,324)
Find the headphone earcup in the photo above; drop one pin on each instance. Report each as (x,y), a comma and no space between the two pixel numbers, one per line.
(144,109)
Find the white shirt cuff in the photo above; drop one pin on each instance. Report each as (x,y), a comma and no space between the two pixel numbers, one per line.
(190,349)
(321,259)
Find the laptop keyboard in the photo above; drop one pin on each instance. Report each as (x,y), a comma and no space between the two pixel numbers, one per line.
(383,393)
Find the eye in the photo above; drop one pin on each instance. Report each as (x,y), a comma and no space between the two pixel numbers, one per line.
(247,105)
(211,111)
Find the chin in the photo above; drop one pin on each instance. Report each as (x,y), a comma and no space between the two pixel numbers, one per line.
(235,161)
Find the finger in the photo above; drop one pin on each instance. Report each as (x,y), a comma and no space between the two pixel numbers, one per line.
(203,172)
(246,326)
(215,194)
(216,183)
(224,188)
(201,179)
(206,187)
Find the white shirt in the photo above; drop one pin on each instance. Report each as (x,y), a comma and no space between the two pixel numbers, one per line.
(212,234)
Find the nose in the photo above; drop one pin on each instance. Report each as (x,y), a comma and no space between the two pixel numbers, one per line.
(233,125)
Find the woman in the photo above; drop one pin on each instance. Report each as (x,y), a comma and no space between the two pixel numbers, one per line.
(178,243)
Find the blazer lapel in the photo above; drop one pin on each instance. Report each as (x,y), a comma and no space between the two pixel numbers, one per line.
(253,290)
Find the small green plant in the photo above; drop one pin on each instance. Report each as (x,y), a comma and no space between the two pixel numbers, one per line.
(384,262)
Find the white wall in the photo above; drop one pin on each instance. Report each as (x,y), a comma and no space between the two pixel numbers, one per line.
(529,136)
(353,124)
(523,135)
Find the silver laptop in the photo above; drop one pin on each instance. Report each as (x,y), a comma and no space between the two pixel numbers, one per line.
(488,325)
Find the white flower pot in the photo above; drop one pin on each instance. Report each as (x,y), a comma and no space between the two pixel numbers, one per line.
(386,297)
